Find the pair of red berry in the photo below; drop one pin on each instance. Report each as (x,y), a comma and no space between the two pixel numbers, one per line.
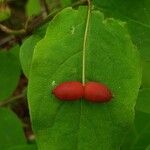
(91,91)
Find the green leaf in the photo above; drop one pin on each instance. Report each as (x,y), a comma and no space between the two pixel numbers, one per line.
(137,15)
(66,2)
(146,74)
(4,12)
(11,131)
(143,101)
(33,7)
(26,52)
(9,74)
(111,58)
(129,139)
(140,139)
(139,135)
(142,124)
(148,148)
(141,120)
(27,49)
(41,30)
(24,147)
(15,50)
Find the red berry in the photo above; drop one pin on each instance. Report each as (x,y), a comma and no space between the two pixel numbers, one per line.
(97,92)
(72,90)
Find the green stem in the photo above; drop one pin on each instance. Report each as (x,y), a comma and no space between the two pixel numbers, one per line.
(85,41)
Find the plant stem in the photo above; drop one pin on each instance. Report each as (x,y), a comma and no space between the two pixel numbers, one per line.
(85,41)
(37,22)
(45,7)
(11,31)
(12,99)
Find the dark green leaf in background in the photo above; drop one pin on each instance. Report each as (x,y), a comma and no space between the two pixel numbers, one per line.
(66,2)
(27,49)
(111,58)
(15,50)
(143,101)
(137,15)
(26,52)
(33,8)
(148,148)
(138,137)
(9,73)
(4,12)
(146,74)
(142,124)
(11,131)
